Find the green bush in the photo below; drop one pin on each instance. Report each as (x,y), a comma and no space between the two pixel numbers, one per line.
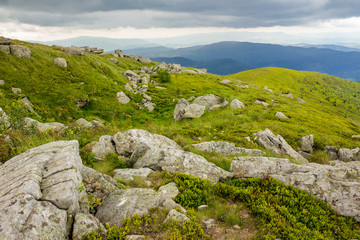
(163,76)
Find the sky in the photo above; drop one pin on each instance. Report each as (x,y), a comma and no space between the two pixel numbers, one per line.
(314,21)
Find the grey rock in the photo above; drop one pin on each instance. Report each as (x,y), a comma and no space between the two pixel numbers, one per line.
(226,148)
(278,145)
(202,207)
(5,121)
(208,100)
(301,100)
(168,204)
(103,147)
(174,68)
(289,95)
(113,60)
(135,237)
(189,71)
(184,109)
(209,223)
(267,89)
(332,151)
(144,60)
(130,89)
(2,82)
(84,224)
(82,102)
(119,53)
(226,81)
(339,184)
(150,106)
(79,51)
(261,102)
(213,108)
(174,215)
(307,143)
(353,136)
(20,51)
(29,106)
(143,88)
(39,192)
(122,98)
(61,62)
(346,154)
(128,174)
(5,49)
(161,153)
(16,90)
(170,190)
(130,75)
(281,115)
(236,104)
(5,41)
(82,123)
(30,123)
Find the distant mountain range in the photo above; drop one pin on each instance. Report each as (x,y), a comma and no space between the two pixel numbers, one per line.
(231,57)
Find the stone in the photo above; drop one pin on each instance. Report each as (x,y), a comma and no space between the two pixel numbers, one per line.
(267,89)
(30,123)
(84,224)
(168,204)
(346,154)
(144,60)
(134,237)
(213,108)
(226,148)
(61,62)
(5,121)
(170,190)
(236,104)
(5,41)
(122,98)
(174,68)
(82,103)
(281,115)
(289,95)
(261,102)
(278,145)
(226,81)
(209,223)
(82,123)
(2,82)
(208,100)
(29,106)
(353,136)
(79,51)
(130,75)
(113,60)
(307,143)
(174,215)
(20,51)
(332,151)
(128,174)
(301,100)
(103,147)
(150,106)
(202,207)
(16,90)
(39,192)
(338,184)
(184,109)
(119,53)
(5,49)
(143,88)
(161,153)
(189,71)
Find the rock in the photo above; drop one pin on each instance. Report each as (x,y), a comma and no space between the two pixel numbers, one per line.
(301,100)
(130,89)
(134,237)
(161,153)
(332,151)
(79,51)
(150,106)
(174,68)
(170,190)
(119,53)
(82,103)
(16,90)
(281,115)
(226,81)
(168,204)
(261,102)
(226,148)
(61,62)
(208,100)
(2,82)
(130,75)
(39,192)
(82,123)
(103,147)
(189,71)
(5,121)
(113,60)
(236,104)
(202,207)
(339,185)
(84,224)
(30,123)
(213,108)
(278,145)
(267,89)
(29,106)
(184,109)
(144,60)
(143,88)
(174,215)
(307,144)
(5,49)
(128,174)
(353,136)
(289,95)
(122,98)
(346,154)
(20,51)
(209,223)
(5,41)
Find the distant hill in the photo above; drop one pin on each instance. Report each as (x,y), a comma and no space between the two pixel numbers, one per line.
(256,55)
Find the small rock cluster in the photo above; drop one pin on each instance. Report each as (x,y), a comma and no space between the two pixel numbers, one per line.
(343,154)
(17,50)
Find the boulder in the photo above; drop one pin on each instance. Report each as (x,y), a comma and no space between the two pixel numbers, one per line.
(301,100)
(208,100)
(128,174)
(103,147)
(130,75)
(307,144)
(113,60)
(119,53)
(226,148)
(122,98)
(39,192)
(267,89)
(353,136)
(346,154)
(144,60)
(161,153)
(236,104)
(226,81)
(332,151)
(43,127)
(2,82)
(289,95)
(16,90)
(5,48)
(184,109)
(174,68)
(5,121)
(339,184)
(170,190)
(84,224)
(278,145)
(61,62)
(82,123)
(150,106)
(5,41)
(281,115)
(79,51)
(174,215)
(261,102)
(20,51)
(209,223)
(82,102)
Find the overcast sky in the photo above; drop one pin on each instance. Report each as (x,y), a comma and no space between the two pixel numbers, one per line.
(60,19)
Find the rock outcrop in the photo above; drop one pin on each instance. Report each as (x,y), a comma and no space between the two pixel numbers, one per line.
(161,153)
(5,121)
(185,109)
(20,51)
(338,184)
(343,154)
(209,100)
(103,147)
(43,127)
(227,148)
(278,145)
(128,174)
(73,50)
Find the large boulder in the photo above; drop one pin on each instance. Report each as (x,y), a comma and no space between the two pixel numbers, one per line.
(338,184)
(84,224)
(61,62)
(5,121)
(184,109)
(20,51)
(122,98)
(332,151)
(5,48)
(79,51)
(103,147)
(161,153)
(39,192)
(346,154)
(226,148)
(278,145)
(5,41)
(208,100)
(130,75)
(43,127)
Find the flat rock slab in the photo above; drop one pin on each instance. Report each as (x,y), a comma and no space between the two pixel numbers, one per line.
(226,148)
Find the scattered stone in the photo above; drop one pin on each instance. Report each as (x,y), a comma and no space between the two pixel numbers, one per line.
(82,123)
(119,53)
(2,82)
(84,224)
(245,86)
(226,81)
(278,145)
(5,121)
(128,174)
(130,75)
(236,104)
(103,147)
(209,223)
(79,51)
(122,98)
(61,62)
(30,123)
(113,60)
(332,151)
(202,207)
(281,115)
(20,51)
(16,90)
(226,148)
(150,106)
(213,108)
(346,154)
(5,41)
(338,184)
(170,190)
(267,89)
(174,215)
(130,89)
(161,88)
(289,95)
(29,106)
(261,102)
(301,100)
(82,103)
